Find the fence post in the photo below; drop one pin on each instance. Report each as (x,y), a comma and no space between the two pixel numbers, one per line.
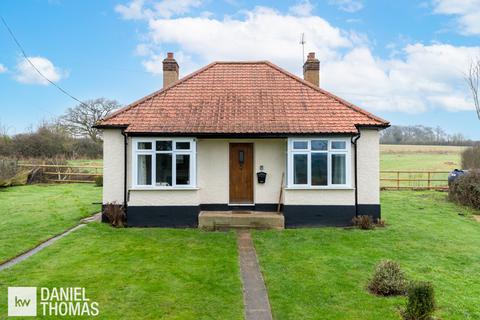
(428,180)
(398,180)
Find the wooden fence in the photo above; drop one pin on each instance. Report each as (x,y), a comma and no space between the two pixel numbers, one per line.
(389,179)
(403,179)
(67,173)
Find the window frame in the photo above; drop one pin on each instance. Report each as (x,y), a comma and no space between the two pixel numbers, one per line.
(290,166)
(192,152)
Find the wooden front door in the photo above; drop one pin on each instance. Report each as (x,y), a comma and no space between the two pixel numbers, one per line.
(241,173)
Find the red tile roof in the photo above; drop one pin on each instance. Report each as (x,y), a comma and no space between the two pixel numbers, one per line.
(241,98)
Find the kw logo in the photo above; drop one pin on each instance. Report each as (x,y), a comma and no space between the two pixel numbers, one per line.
(22,301)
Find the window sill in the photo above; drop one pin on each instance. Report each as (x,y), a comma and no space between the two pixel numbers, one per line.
(163,189)
(320,188)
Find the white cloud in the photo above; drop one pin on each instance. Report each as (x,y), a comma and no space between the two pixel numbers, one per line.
(3,68)
(133,11)
(425,77)
(250,37)
(303,8)
(141,9)
(348,5)
(143,50)
(416,78)
(467,13)
(168,8)
(25,73)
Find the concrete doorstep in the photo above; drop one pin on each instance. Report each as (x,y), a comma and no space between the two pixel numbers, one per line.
(219,220)
(255,296)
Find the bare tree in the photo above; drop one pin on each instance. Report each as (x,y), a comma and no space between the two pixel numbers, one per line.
(473,80)
(79,120)
(3,130)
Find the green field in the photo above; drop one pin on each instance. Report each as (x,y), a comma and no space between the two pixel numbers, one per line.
(409,157)
(32,214)
(86,162)
(438,159)
(322,273)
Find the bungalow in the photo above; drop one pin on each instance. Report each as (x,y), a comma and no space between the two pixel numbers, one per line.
(242,135)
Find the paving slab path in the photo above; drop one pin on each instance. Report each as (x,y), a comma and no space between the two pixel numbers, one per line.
(255,296)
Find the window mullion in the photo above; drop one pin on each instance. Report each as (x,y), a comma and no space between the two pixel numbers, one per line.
(309,168)
(289,167)
(174,169)
(329,169)
(154,168)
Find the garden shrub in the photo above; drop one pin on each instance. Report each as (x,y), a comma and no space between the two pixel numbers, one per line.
(99,181)
(363,222)
(115,214)
(388,279)
(421,301)
(465,190)
(471,158)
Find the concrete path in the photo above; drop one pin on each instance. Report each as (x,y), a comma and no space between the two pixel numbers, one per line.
(47,243)
(255,297)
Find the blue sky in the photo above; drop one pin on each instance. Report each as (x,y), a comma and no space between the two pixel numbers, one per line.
(402,60)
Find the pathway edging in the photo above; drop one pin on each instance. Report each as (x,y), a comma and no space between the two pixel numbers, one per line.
(46,243)
(255,296)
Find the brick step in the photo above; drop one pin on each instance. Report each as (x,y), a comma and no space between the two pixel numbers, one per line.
(222,220)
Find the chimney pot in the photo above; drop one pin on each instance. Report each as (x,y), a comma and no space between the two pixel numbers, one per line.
(170,70)
(311,69)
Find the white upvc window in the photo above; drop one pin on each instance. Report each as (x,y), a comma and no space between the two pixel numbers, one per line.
(164,163)
(319,163)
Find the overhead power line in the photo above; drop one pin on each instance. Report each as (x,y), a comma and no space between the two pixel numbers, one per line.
(34,67)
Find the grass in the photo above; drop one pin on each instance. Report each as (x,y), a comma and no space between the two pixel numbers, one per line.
(322,273)
(316,273)
(31,214)
(140,273)
(423,158)
(414,157)
(86,162)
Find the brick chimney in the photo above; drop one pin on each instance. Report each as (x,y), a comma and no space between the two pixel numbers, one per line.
(170,70)
(311,69)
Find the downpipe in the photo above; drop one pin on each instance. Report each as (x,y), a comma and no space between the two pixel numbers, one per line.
(354,140)
(125,188)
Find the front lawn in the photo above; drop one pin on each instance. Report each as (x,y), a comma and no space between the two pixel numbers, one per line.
(33,213)
(140,273)
(322,273)
(317,273)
